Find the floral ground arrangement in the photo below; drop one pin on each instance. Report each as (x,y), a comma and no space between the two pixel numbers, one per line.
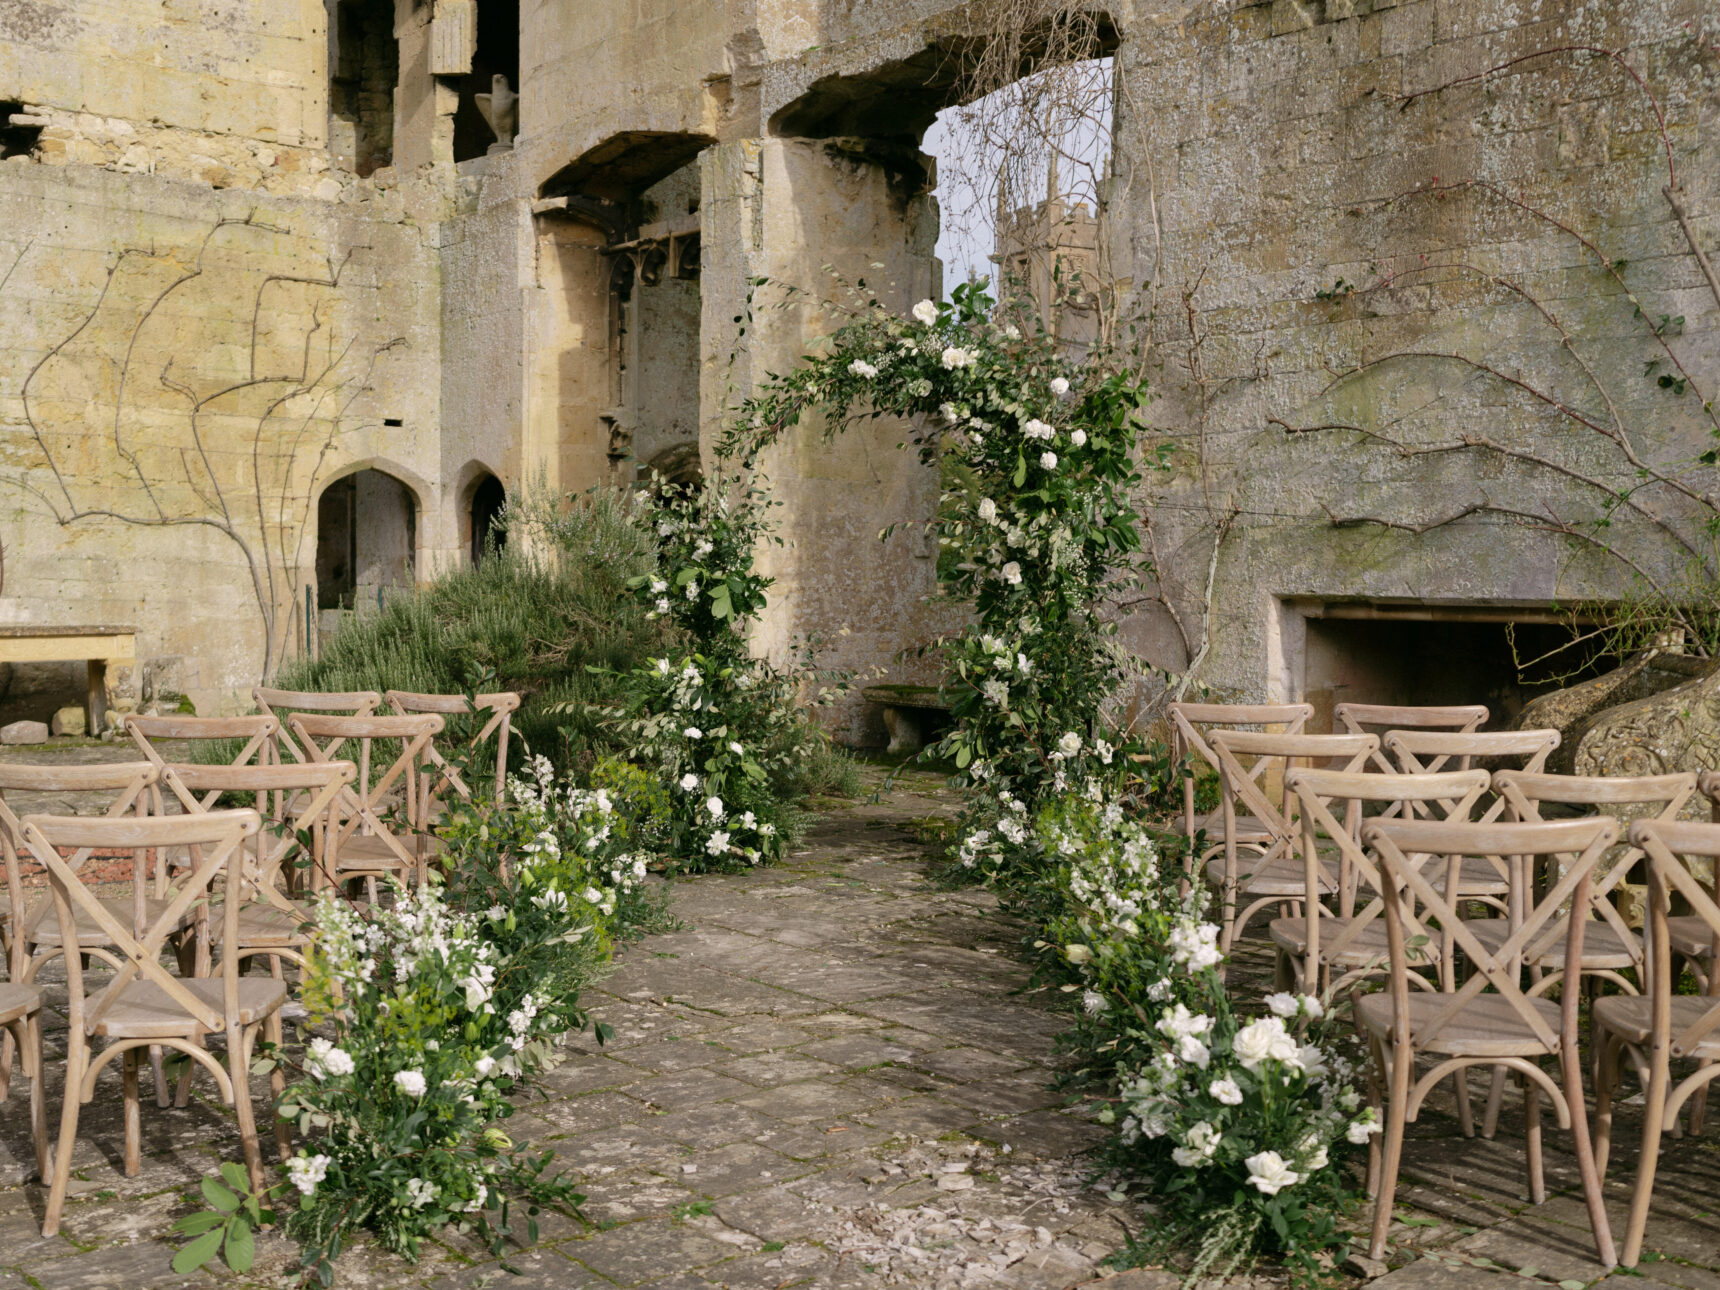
(427,1016)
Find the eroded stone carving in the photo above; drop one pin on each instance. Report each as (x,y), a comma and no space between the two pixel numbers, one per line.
(1675,730)
(501,110)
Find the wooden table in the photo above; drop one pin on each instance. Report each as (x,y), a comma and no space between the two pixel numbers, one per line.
(95,646)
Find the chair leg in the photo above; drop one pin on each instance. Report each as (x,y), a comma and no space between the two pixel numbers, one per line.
(1605,1073)
(1653,1124)
(1532,1139)
(158,1065)
(133,1113)
(1402,1067)
(76,1056)
(31,1042)
(278,1082)
(1495,1100)
(8,1047)
(239,1070)
(1460,1088)
(1571,1067)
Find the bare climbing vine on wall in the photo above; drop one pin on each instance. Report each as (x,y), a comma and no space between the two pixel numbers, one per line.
(145,413)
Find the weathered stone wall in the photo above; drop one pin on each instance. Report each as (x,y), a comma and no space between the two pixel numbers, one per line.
(1361,246)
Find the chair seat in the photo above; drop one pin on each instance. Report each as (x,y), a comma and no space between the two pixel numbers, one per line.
(1487,1026)
(144,1010)
(18,1001)
(1475,877)
(1368,948)
(1690,936)
(1281,876)
(1631,1018)
(370,853)
(45,925)
(264,924)
(1248,829)
(1603,947)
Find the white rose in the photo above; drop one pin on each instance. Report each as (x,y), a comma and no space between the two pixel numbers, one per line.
(1226,1091)
(1078,954)
(689,782)
(1199,1144)
(1011,573)
(1285,1005)
(410,1083)
(715,806)
(987,509)
(955,358)
(1195,1053)
(1255,1042)
(1268,1172)
(926,312)
(1069,743)
(1059,386)
(1037,429)
(1048,460)
(1078,438)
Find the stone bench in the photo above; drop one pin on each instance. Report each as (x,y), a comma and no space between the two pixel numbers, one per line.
(95,647)
(909,712)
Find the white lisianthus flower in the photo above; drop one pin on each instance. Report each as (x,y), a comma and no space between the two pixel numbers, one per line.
(689,782)
(1312,1006)
(1284,1005)
(410,1083)
(954,358)
(1361,1130)
(860,367)
(987,509)
(736,749)
(662,665)
(1078,438)
(693,732)
(926,312)
(1179,1023)
(1011,573)
(1311,1060)
(305,1172)
(1048,460)
(1226,1090)
(1195,1053)
(717,844)
(1268,1172)
(715,806)
(1264,1040)
(658,587)
(1059,386)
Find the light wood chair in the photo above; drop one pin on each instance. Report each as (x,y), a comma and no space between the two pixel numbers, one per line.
(1486,879)
(1274,876)
(494,711)
(21,1020)
(1656,1027)
(143,1004)
(1191,725)
(364,842)
(1465,1025)
(280,704)
(1382,718)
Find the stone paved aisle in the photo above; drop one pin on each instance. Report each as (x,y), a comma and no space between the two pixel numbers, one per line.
(827,1079)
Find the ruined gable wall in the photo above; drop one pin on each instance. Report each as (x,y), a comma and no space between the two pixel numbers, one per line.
(1294,221)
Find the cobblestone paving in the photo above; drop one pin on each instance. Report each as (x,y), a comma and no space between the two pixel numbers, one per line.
(832,1078)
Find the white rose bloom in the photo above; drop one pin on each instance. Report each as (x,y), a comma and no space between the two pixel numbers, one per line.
(987,509)
(305,1172)
(926,312)
(1069,743)
(1226,1091)
(1199,1144)
(860,367)
(1048,460)
(955,358)
(1195,1053)
(1011,573)
(1268,1172)
(1078,438)
(1264,1040)
(1312,1006)
(1059,386)
(1284,1005)
(410,1083)
(689,782)
(715,806)
(693,732)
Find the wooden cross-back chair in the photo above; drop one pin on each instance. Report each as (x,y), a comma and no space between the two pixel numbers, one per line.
(254,734)
(364,844)
(1486,879)
(1327,951)
(1382,718)
(1191,726)
(1488,1020)
(1274,875)
(280,704)
(495,711)
(1690,939)
(143,1005)
(1654,1028)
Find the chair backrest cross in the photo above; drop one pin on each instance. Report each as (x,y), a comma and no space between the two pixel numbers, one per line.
(1382,718)
(1192,725)
(253,734)
(365,804)
(1419,752)
(493,711)
(280,704)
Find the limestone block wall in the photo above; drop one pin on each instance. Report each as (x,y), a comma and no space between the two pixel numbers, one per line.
(184,369)
(1394,255)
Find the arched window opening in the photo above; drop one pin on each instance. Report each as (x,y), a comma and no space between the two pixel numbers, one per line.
(488,517)
(364,67)
(497,56)
(366,528)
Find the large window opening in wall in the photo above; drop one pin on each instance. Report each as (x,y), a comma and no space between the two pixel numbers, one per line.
(364,62)
(1419,655)
(366,529)
(488,518)
(497,55)
(657,323)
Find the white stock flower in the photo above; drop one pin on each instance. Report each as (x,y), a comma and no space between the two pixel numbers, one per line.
(1268,1172)
(1011,573)
(1226,1090)
(1048,460)
(926,312)
(715,806)
(410,1083)
(305,1172)
(860,367)
(1195,945)
(1078,438)
(1059,386)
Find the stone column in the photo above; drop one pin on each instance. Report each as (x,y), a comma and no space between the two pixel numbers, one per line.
(791,211)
